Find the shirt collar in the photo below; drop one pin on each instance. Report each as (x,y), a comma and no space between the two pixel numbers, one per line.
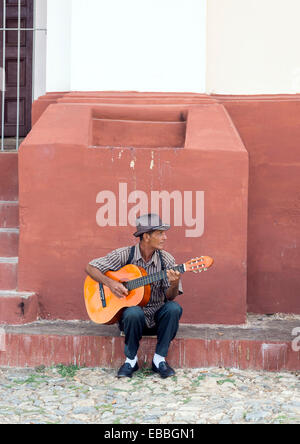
(138,256)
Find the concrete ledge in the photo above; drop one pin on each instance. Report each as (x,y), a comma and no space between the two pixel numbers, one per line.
(9,176)
(9,242)
(18,307)
(8,275)
(257,327)
(9,214)
(262,343)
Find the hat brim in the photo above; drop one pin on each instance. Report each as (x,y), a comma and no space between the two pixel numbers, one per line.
(163,227)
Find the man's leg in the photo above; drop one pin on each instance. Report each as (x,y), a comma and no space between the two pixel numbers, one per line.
(167,321)
(132,323)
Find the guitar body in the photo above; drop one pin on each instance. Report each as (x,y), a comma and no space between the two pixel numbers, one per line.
(114,306)
(104,307)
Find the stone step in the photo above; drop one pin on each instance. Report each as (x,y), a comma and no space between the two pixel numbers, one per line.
(263,343)
(9,242)
(9,214)
(9,176)
(8,273)
(18,307)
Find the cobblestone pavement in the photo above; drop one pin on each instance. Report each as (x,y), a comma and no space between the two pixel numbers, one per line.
(69,395)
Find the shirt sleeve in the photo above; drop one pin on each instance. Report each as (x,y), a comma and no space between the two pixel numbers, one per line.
(112,261)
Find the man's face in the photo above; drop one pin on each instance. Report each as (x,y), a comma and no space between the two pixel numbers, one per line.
(157,239)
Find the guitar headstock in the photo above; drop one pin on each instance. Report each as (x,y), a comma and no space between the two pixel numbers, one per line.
(198,264)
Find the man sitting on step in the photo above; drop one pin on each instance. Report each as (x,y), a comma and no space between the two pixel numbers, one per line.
(161,315)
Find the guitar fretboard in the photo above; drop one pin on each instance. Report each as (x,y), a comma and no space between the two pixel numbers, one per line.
(150,278)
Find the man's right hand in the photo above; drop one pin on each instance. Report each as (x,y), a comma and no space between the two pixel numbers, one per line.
(118,289)
(115,287)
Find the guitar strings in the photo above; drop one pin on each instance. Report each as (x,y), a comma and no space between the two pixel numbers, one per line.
(150,278)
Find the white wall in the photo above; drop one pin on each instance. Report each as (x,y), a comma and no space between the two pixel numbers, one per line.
(40,48)
(144,45)
(241,47)
(59,15)
(253,46)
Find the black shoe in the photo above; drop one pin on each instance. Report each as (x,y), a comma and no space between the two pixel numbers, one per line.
(127,371)
(163,369)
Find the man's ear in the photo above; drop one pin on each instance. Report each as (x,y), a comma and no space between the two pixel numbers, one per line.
(146,237)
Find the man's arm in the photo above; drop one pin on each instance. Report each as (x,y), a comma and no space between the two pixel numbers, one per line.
(116,287)
(174,279)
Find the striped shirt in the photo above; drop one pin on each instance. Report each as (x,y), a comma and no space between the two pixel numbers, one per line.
(118,258)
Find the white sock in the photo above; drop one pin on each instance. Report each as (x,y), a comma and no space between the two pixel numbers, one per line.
(132,362)
(157,359)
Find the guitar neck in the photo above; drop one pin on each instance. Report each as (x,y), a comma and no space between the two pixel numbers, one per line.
(151,278)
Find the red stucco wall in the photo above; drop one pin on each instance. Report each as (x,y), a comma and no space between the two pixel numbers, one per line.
(61,171)
(270,130)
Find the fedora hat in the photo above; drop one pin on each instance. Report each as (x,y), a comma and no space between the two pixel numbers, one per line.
(149,222)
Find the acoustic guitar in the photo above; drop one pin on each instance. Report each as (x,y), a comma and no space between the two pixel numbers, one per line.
(104,307)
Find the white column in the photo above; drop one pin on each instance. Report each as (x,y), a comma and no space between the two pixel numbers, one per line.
(141,45)
(40,48)
(59,18)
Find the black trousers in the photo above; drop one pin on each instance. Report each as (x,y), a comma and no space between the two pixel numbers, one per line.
(134,326)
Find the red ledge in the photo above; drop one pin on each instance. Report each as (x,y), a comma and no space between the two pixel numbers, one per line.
(264,343)
(255,97)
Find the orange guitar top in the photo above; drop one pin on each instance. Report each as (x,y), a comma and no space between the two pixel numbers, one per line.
(104,307)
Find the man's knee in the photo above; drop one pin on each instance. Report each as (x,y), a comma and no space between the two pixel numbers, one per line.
(174,309)
(133,314)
